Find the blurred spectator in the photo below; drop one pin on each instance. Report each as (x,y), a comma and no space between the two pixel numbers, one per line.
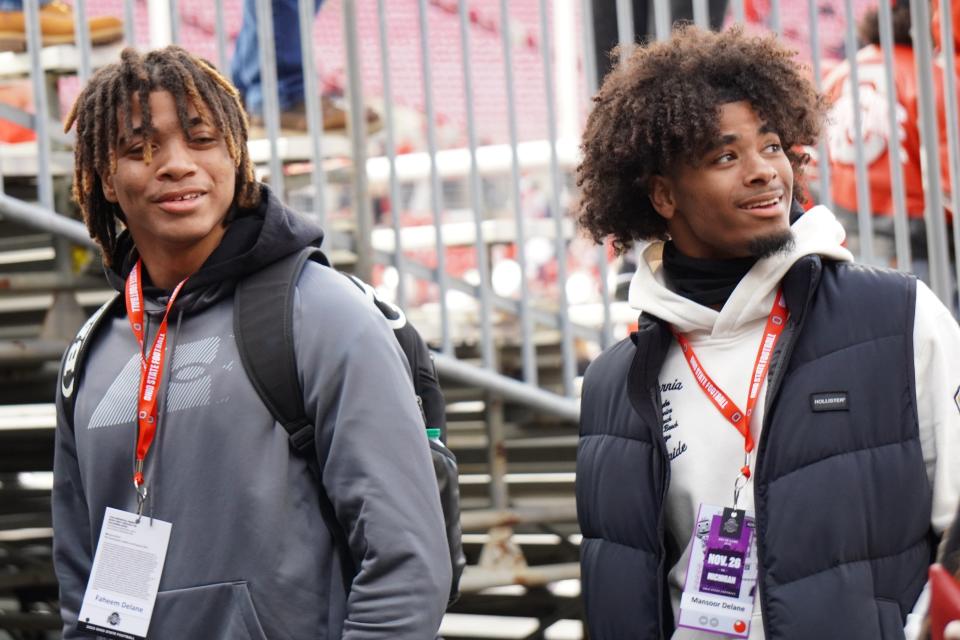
(56,25)
(796,29)
(940,85)
(877,138)
(16,94)
(245,71)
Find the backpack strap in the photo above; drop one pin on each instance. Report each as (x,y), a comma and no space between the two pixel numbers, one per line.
(419,361)
(266,345)
(270,361)
(71,366)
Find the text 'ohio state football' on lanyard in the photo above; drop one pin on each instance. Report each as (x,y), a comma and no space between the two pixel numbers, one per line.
(151,374)
(740,419)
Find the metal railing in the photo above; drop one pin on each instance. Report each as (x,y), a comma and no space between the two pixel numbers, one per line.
(539,302)
(473,195)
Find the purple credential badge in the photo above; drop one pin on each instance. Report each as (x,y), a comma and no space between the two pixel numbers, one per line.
(726,551)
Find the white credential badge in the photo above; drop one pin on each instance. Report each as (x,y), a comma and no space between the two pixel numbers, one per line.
(125,578)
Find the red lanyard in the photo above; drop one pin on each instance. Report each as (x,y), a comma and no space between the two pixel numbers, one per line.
(741,419)
(151,370)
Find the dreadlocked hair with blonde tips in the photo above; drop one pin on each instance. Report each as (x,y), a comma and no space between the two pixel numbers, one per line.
(192,81)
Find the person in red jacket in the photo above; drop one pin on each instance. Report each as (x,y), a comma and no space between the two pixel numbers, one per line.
(878,142)
(940,86)
(876,137)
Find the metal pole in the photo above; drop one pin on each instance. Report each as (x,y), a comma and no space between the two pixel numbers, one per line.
(358,144)
(701,14)
(900,224)
(311,97)
(556,184)
(436,193)
(590,64)
(566,74)
(933,194)
(953,127)
(476,197)
(268,86)
(662,19)
(45,219)
(395,205)
(864,210)
(739,12)
(158,21)
(625,32)
(129,22)
(497,453)
(775,20)
(527,348)
(823,166)
(219,28)
(589,48)
(82,30)
(41,105)
(174,21)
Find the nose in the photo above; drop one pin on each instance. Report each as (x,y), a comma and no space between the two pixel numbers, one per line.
(759,170)
(175,160)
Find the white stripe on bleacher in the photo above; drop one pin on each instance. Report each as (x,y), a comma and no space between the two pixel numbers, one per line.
(40,302)
(19,417)
(19,535)
(520,478)
(18,256)
(501,627)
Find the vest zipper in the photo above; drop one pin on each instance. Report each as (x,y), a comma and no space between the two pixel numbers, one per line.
(664,483)
(778,364)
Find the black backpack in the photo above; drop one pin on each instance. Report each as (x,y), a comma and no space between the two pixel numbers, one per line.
(269,359)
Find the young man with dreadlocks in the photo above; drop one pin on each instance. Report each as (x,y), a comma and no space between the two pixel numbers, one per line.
(168,191)
(774,451)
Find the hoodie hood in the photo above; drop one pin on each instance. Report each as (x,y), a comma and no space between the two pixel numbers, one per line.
(817,232)
(254,238)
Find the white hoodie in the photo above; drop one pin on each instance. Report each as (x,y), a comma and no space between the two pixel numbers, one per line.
(706,451)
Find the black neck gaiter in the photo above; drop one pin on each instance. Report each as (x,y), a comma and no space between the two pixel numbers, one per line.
(704,281)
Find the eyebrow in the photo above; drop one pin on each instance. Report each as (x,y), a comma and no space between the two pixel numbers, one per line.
(730,138)
(137,132)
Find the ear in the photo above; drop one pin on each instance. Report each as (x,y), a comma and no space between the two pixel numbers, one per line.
(108,191)
(661,196)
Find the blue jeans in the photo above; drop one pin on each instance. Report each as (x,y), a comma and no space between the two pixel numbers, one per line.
(16,5)
(245,67)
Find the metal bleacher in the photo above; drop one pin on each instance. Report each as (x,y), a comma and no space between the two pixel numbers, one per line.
(517,460)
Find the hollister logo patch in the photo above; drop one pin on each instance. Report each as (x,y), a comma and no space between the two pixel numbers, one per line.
(830,401)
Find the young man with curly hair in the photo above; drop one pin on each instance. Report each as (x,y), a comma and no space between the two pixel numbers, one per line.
(773,452)
(168,191)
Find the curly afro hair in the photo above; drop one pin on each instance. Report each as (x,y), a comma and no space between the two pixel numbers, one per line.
(662,107)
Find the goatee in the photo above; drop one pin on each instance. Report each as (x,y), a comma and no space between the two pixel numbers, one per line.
(766,246)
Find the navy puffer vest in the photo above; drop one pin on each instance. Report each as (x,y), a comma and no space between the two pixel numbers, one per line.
(842,497)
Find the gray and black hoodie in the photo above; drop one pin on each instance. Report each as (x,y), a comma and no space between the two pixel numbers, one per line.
(250,556)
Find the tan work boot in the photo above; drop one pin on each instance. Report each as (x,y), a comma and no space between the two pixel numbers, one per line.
(294,121)
(56,27)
